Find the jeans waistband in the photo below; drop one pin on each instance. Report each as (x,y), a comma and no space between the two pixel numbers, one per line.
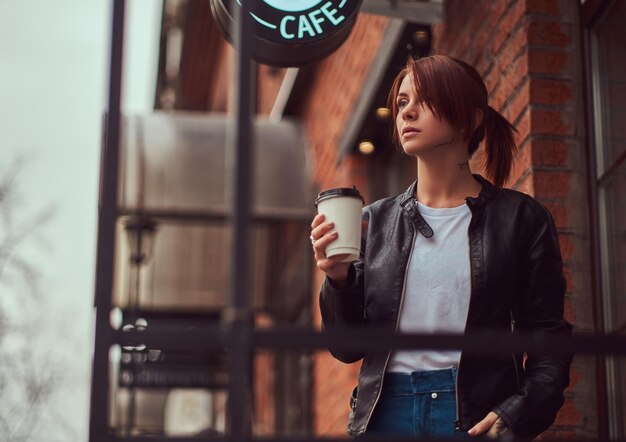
(420,381)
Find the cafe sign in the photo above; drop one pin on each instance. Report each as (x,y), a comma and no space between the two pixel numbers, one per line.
(291,32)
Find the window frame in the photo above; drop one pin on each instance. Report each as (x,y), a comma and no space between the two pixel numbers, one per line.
(610,399)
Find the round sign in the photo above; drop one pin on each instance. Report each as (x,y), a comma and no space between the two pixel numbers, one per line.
(292,32)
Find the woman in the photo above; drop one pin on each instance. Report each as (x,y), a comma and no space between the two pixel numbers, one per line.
(454,253)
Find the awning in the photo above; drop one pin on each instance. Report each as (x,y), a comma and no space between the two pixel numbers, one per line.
(180,164)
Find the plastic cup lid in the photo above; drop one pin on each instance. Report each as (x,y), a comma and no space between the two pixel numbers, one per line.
(339,191)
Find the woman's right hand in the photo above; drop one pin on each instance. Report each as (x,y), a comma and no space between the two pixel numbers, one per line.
(322,235)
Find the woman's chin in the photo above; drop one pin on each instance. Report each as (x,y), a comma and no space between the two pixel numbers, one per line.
(414,149)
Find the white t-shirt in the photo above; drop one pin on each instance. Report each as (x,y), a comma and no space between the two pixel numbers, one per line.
(437,292)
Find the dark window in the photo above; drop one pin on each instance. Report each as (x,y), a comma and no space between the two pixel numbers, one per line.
(606,37)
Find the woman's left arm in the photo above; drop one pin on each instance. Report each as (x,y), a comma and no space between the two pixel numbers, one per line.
(533,409)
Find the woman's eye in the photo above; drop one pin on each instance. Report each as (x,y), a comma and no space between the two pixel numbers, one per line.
(402,103)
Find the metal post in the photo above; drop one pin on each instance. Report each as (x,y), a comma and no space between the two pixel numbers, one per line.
(107,215)
(239,312)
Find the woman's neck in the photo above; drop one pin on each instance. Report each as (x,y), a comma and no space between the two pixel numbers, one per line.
(445,182)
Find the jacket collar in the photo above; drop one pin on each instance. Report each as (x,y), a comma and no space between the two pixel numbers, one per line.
(487,193)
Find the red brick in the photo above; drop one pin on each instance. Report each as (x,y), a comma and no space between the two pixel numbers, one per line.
(492,79)
(549,33)
(518,104)
(568,310)
(567,247)
(512,50)
(546,121)
(525,184)
(514,75)
(550,152)
(511,53)
(550,91)
(521,165)
(551,184)
(569,414)
(509,21)
(469,36)
(495,13)
(543,7)
(477,58)
(331,394)
(264,416)
(559,213)
(542,61)
(523,128)
(509,82)
(477,162)
(354,173)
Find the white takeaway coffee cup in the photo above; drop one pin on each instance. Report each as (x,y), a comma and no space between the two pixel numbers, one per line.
(342,206)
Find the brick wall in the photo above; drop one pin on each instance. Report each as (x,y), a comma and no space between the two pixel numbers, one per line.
(529,53)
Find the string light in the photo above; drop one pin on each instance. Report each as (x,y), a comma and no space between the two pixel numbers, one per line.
(366,147)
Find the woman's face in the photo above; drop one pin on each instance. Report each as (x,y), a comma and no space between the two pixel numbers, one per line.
(419,129)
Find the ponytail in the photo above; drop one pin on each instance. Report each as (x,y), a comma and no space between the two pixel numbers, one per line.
(500,145)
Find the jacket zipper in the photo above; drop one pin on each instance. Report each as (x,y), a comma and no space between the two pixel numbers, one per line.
(406,271)
(457,422)
(513,354)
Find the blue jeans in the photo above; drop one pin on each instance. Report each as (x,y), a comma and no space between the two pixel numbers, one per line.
(419,404)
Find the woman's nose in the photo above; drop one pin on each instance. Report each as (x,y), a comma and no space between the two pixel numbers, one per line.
(409,112)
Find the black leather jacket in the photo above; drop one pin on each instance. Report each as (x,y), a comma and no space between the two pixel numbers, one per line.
(517,283)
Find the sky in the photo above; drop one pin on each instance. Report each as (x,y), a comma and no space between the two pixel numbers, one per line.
(53,92)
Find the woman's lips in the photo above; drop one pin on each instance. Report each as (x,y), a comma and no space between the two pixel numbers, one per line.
(409,131)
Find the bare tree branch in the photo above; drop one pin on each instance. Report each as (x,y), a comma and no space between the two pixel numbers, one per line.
(29,376)
(12,240)
(8,177)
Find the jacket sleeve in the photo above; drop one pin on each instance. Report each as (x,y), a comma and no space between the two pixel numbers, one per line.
(341,308)
(533,409)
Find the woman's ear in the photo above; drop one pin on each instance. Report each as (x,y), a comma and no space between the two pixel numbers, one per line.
(478,117)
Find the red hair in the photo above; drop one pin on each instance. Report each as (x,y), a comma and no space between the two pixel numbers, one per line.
(453,90)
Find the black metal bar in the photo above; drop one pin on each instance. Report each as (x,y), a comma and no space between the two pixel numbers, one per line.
(107,214)
(204,339)
(365,438)
(238,314)
(485,343)
(219,216)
